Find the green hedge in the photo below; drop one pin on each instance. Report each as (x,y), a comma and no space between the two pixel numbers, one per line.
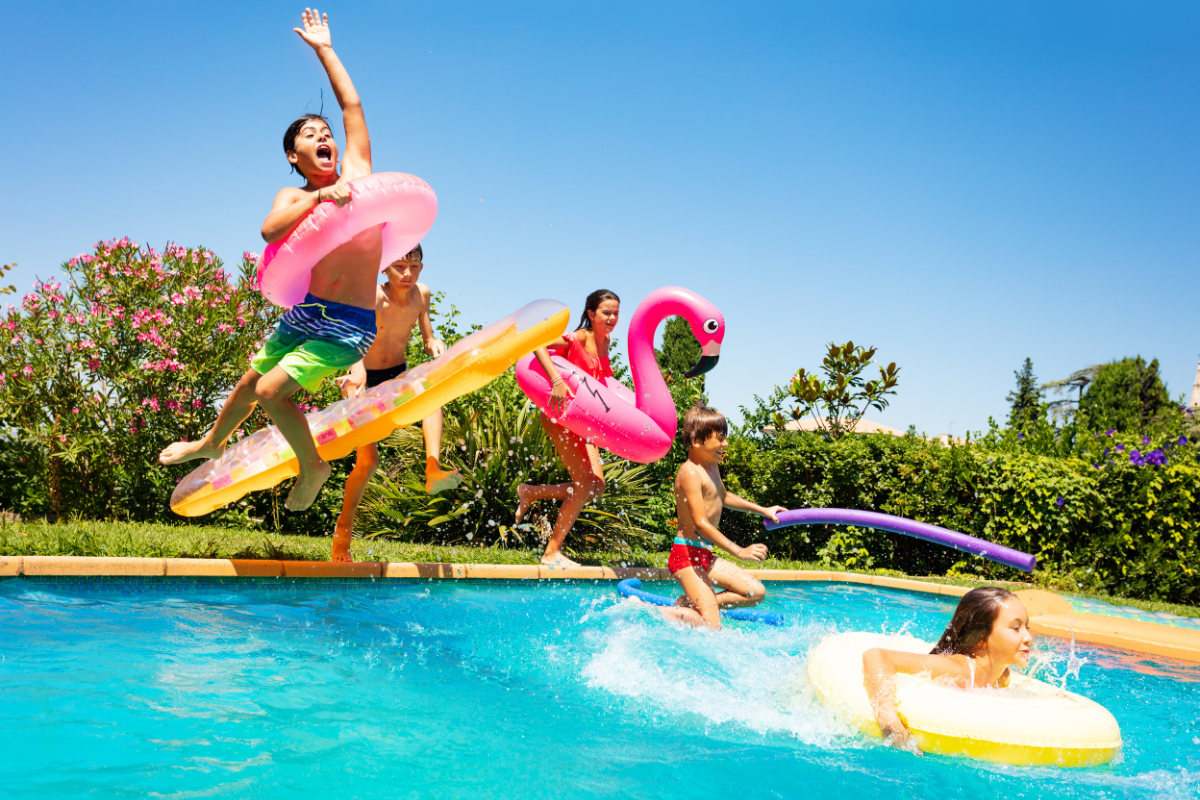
(1116,525)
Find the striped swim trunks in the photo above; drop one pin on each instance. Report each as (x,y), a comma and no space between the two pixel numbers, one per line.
(315,339)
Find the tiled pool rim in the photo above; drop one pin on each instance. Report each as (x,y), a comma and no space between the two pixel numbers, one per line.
(1050,614)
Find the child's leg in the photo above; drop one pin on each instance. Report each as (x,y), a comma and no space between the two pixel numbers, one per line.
(704,607)
(587,483)
(436,479)
(527,494)
(237,407)
(274,391)
(365,463)
(741,588)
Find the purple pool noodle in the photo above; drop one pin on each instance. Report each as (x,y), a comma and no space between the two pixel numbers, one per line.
(920,530)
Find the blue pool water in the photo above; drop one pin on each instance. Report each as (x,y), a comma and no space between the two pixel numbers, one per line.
(459,689)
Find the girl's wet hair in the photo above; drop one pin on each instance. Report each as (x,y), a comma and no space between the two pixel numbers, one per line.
(701,422)
(972,621)
(293,130)
(593,302)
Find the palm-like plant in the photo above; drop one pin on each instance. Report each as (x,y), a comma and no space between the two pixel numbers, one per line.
(495,439)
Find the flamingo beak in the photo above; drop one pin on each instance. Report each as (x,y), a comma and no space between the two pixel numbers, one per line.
(708,359)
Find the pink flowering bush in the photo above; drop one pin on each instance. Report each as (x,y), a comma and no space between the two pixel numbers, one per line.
(132,349)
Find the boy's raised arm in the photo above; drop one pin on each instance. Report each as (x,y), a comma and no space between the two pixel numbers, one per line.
(356,161)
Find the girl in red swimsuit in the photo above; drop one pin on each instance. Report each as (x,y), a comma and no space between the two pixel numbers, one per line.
(587,348)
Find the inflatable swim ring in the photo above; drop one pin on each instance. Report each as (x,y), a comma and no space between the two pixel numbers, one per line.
(639,425)
(1029,723)
(632,587)
(403,204)
(918,530)
(264,459)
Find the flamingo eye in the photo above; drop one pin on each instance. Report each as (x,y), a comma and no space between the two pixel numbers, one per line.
(710,326)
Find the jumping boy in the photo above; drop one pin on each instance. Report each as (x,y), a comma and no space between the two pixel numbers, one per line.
(400,304)
(699,497)
(335,325)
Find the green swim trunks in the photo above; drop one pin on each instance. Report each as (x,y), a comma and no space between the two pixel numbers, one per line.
(316,339)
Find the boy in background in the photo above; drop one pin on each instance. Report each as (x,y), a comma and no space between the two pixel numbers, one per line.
(400,304)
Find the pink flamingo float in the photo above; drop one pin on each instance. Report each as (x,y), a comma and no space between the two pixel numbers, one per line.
(638,425)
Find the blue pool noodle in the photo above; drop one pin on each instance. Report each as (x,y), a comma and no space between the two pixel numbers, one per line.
(631,587)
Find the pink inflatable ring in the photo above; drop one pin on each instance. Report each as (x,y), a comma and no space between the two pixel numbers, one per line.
(403,204)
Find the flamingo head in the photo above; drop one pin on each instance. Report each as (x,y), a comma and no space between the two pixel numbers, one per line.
(708,326)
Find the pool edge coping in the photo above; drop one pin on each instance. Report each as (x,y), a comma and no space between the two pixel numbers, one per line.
(1050,613)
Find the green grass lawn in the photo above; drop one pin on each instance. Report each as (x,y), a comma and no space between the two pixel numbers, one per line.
(121,539)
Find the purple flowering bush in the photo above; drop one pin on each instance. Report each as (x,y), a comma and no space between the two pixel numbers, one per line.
(132,349)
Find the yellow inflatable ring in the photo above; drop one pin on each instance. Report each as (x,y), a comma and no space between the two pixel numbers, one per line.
(263,459)
(1029,723)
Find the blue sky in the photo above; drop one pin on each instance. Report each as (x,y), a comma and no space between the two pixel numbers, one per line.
(960,186)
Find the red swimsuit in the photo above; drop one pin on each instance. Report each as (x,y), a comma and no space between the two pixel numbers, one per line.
(575,352)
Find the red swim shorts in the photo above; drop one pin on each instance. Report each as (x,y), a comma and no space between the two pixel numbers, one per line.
(684,556)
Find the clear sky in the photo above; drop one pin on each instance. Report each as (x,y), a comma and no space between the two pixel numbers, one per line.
(960,184)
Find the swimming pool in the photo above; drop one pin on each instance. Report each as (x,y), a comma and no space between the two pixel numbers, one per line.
(274,688)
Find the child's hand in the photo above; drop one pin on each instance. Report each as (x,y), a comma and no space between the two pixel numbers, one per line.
(559,394)
(339,193)
(755,552)
(773,512)
(436,347)
(351,383)
(316,29)
(897,735)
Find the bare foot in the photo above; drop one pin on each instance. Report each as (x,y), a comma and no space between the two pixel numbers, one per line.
(558,560)
(523,502)
(179,452)
(341,544)
(438,479)
(307,487)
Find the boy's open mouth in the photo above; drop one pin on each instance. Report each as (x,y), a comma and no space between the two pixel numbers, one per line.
(324,152)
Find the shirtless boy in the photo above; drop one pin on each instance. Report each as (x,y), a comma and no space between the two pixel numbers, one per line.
(699,497)
(400,304)
(335,325)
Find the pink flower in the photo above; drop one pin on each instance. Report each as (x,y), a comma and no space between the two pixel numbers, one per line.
(62,438)
(74,410)
(28,370)
(200,319)
(195,403)
(93,365)
(223,328)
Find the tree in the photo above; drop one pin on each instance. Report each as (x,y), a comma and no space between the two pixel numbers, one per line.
(1127,395)
(1026,401)
(844,395)
(1079,381)
(680,351)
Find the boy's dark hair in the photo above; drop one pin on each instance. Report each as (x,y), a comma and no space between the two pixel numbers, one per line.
(293,130)
(593,302)
(416,254)
(972,622)
(700,422)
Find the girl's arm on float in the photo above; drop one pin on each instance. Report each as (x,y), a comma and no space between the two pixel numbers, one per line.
(356,161)
(693,495)
(434,346)
(559,391)
(879,679)
(742,504)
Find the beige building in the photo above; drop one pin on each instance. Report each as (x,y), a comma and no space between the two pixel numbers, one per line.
(1195,401)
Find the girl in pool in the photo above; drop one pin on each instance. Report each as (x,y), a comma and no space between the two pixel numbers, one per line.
(587,348)
(988,634)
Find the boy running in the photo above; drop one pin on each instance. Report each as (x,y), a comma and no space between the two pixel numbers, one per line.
(400,304)
(699,497)
(335,325)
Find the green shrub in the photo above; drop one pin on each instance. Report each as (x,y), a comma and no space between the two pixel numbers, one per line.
(1124,522)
